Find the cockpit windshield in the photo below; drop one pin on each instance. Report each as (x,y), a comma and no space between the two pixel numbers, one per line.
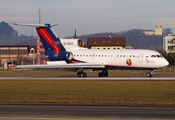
(158,56)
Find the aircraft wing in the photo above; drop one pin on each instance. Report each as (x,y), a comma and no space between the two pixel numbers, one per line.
(61,66)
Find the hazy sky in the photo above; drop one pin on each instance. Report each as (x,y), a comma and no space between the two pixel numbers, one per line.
(89,16)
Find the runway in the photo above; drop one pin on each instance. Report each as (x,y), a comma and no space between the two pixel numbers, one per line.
(87,78)
(82,112)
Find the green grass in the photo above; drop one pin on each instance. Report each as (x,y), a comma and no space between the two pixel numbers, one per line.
(90,92)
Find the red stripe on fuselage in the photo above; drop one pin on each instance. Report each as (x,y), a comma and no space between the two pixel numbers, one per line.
(43,32)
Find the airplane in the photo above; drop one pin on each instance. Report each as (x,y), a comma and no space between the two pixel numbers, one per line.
(78,57)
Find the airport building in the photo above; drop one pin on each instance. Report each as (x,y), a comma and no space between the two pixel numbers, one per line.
(106,42)
(10,55)
(40,52)
(169,44)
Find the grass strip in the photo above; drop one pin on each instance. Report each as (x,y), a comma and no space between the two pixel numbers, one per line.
(90,92)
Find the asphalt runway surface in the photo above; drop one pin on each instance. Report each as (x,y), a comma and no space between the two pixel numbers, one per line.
(84,112)
(87,78)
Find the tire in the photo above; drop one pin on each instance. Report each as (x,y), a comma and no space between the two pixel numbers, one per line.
(149,74)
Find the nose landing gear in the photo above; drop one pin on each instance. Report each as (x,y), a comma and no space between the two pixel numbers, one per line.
(149,74)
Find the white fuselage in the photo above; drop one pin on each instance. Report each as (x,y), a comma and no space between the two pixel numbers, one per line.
(114,59)
(124,58)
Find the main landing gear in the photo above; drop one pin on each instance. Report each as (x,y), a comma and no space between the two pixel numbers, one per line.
(149,74)
(104,73)
(80,73)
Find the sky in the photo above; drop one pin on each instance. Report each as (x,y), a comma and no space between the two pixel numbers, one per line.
(89,16)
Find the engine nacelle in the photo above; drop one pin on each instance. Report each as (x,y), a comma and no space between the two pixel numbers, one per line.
(61,56)
(70,44)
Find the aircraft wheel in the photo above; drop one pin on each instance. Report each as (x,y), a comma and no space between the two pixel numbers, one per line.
(149,74)
(78,74)
(100,74)
(106,74)
(81,74)
(84,75)
(103,74)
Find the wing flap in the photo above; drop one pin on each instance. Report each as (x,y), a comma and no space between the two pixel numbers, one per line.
(59,66)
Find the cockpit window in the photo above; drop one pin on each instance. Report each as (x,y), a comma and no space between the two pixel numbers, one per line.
(158,56)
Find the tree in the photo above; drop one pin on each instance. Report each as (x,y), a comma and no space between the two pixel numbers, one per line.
(167,31)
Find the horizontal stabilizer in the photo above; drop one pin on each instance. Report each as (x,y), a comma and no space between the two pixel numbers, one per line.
(35,25)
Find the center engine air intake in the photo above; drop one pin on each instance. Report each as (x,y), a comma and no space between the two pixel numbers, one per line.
(80,43)
(60,56)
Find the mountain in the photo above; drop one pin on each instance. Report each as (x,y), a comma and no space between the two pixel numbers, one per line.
(9,36)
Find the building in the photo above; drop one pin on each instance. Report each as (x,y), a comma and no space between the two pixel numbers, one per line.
(40,52)
(106,42)
(169,44)
(148,32)
(17,54)
(158,31)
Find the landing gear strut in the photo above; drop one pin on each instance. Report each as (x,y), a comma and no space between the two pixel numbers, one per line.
(149,74)
(80,73)
(104,73)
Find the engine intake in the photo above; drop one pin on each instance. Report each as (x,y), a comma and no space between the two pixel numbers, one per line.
(64,56)
(61,56)
(80,43)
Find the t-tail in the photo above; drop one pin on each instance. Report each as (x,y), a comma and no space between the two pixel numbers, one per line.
(54,49)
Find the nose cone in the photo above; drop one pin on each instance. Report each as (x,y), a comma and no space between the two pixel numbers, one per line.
(164,63)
